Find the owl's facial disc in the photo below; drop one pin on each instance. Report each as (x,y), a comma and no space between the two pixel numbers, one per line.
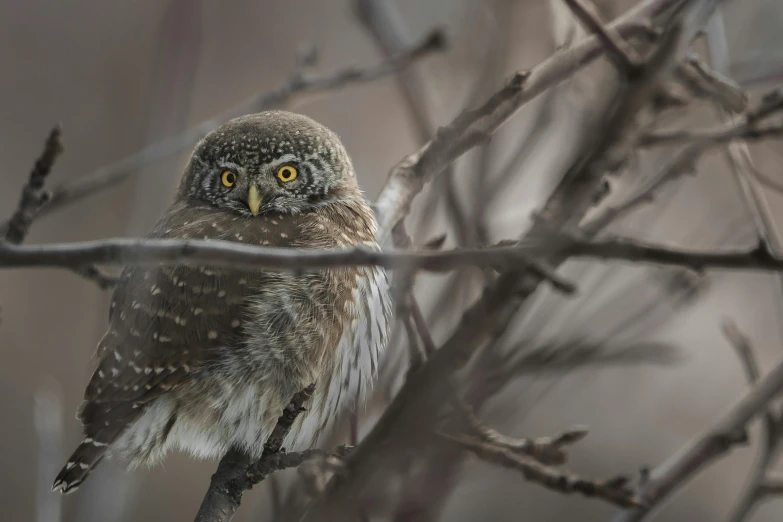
(270,162)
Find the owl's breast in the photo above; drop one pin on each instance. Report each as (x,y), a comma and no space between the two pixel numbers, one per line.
(352,363)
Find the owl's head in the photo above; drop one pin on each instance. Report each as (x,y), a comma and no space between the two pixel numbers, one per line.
(272,161)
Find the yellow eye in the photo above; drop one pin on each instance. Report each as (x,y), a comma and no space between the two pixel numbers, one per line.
(286,173)
(228,178)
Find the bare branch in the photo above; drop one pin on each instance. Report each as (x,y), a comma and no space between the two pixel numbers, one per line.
(719,135)
(474,127)
(427,388)
(546,450)
(756,488)
(704,82)
(741,345)
(622,54)
(298,85)
(421,327)
(416,358)
(237,472)
(707,447)
(615,490)
(34,196)
(516,255)
(684,162)
(748,127)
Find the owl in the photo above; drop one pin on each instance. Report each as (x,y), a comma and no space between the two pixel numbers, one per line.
(204,358)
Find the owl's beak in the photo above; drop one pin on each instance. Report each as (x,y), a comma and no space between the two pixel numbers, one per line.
(254,199)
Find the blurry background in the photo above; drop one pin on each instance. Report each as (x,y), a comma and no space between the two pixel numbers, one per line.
(122,75)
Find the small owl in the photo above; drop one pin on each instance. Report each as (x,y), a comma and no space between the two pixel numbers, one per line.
(204,358)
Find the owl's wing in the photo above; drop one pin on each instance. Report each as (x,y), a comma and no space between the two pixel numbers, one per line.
(166,322)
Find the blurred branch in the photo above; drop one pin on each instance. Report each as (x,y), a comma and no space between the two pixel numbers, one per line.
(758,484)
(726,133)
(48,418)
(772,485)
(684,162)
(238,472)
(615,490)
(427,388)
(546,450)
(716,442)
(748,127)
(34,196)
(382,22)
(745,176)
(741,345)
(618,51)
(297,85)
(489,75)
(474,127)
(704,82)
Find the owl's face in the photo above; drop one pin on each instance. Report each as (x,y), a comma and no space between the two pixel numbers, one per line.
(269,162)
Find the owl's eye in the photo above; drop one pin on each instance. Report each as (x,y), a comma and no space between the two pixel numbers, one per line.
(286,173)
(228,178)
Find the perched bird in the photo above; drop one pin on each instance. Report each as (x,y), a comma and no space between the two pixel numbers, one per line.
(203,358)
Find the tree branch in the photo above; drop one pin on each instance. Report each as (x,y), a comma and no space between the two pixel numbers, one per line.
(748,127)
(704,82)
(238,472)
(772,430)
(298,85)
(427,388)
(513,255)
(546,450)
(622,54)
(706,448)
(615,490)
(34,196)
(474,127)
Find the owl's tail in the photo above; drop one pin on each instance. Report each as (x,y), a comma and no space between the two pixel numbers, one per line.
(81,463)
(103,423)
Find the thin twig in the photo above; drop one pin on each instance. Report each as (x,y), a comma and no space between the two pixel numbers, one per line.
(34,196)
(546,450)
(745,131)
(714,443)
(741,345)
(741,162)
(704,82)
(615,490)
(617,50)
(415,355)
(756,488)
(684,162)
(421,326)
(474,127)
(297,86)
